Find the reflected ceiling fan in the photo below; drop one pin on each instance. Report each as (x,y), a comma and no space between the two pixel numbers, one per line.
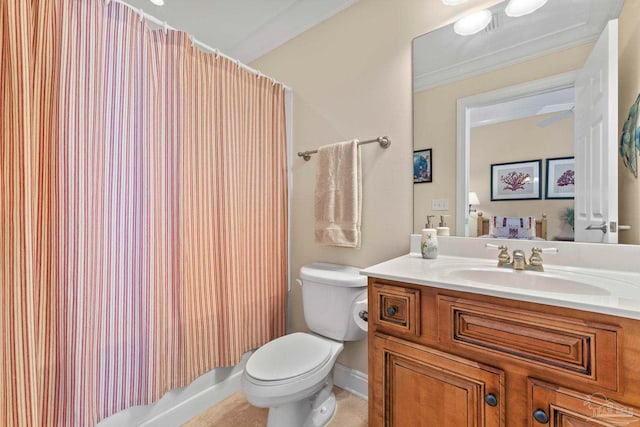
(554,119)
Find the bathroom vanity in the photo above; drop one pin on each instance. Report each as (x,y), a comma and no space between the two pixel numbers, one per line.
(458,342)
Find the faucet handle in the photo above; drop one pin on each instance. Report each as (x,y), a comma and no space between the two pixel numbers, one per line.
(535,260)
(538,251)
(492,246)
(546,250)
(503,255)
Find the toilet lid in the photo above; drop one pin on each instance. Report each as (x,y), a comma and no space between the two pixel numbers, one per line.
(288,357)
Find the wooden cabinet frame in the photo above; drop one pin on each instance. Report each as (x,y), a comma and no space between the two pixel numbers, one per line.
(567,354)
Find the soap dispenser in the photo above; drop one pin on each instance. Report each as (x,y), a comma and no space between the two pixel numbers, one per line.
(428,224)
(429,241)
(442,229)
(429,246)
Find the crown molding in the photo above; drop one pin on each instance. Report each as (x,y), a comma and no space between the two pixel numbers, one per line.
(295,20)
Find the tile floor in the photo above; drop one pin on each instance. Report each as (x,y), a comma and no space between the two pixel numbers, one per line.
(235,411)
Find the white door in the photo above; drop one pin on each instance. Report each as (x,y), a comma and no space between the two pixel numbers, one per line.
(596,147)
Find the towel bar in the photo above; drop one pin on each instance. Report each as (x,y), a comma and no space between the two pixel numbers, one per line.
(384,142)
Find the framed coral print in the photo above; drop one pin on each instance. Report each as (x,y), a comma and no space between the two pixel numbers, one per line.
(422,166)
(560,178)
(516,181)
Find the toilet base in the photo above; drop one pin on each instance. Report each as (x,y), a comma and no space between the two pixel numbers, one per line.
(315,411)
(321,415)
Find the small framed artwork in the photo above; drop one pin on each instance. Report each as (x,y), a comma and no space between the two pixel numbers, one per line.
(516,181)
(560,178)
(422,166)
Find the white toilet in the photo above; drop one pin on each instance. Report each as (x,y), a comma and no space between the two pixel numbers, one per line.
(292,375)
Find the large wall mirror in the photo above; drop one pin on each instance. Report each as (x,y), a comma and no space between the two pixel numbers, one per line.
(530,111)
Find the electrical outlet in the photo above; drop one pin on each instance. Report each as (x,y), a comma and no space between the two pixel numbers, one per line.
(440,204)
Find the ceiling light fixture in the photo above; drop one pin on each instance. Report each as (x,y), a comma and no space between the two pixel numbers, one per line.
(453,2)
(157,2)
(472,23)
(517,8)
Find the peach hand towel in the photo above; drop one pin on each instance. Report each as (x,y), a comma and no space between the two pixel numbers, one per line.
(338,195)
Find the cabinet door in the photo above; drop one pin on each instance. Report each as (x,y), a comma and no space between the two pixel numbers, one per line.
(555,406)
(419,386)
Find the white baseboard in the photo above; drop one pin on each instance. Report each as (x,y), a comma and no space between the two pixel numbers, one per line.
(351,380)
(195,403)
(180,405)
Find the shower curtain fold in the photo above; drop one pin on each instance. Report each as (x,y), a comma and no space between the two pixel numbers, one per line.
(144,211)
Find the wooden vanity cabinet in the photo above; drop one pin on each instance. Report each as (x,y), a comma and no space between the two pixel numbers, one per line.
(453,359)
(424,387)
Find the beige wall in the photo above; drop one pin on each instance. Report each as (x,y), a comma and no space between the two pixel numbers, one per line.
(513,141)
(629,87)
(435,120)
(351,77)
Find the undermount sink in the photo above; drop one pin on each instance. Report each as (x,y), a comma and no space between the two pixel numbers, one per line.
(566,283)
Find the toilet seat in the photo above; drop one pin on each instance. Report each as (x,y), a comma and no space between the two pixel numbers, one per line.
(287,358)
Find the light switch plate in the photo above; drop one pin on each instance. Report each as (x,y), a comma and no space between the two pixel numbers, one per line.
(440,204)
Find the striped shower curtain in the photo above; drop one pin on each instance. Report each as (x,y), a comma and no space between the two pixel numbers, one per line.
(144,226)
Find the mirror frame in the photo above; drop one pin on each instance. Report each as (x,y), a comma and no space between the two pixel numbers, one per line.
(463,132)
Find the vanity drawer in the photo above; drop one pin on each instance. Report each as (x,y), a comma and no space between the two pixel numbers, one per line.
(396,308)
(579,348)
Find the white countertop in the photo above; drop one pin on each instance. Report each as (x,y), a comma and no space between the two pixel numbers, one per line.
(597,290)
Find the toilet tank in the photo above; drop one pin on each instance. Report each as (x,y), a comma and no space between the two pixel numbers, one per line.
(329,292)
